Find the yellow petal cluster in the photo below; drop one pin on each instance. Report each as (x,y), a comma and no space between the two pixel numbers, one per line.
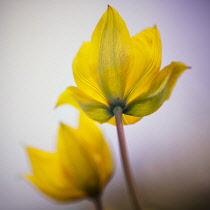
(114,69)
(80,167)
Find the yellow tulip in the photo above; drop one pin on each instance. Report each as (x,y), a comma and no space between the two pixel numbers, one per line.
(115,70)
(81,166)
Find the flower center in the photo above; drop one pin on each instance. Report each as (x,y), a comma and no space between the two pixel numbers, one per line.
(117,102)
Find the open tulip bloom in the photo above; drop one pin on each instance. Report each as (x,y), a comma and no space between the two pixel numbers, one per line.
(118,78)
(119,81)
(115,70)
(80,168)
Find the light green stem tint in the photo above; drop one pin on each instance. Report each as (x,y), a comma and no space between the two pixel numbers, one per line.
(124,158)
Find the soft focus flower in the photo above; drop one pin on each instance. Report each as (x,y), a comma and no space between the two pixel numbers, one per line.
(81,166)
(114,69)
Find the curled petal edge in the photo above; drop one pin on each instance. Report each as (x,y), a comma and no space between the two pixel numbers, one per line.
(94,109)
(159,91)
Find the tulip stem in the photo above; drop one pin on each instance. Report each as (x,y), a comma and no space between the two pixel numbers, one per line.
(98,203)
(124,158)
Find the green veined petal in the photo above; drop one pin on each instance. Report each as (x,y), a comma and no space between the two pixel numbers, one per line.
(147,48)
(83,75)
(111,54)
(160,90)
(93,108)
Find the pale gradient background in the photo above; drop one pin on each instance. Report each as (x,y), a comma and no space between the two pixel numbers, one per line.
(169,150)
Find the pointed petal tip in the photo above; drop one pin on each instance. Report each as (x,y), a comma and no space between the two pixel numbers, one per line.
(109,8)
(63,125)
(24,145)
(26,176)
(156,28)
(65,128)
(181,63)
(188,67)
(29,177)
(28,148)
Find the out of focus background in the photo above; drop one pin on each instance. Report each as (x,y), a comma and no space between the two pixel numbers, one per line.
(169,150)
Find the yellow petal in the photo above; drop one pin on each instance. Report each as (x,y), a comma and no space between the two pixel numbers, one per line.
(57,193)
(93,108)
(49,177)
(83,76)
(127,119)
(147,48)
(111,54)
(76,160)
(92,138)
(159,91)
(67,97)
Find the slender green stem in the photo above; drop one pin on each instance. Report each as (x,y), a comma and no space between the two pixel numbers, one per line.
(124,157)
(98,203)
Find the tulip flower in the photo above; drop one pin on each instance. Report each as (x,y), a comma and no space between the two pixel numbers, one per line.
(115,70)
(79,168)
(119,79)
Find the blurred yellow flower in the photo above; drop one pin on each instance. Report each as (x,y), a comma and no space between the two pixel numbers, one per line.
(114,69)
(81,166)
